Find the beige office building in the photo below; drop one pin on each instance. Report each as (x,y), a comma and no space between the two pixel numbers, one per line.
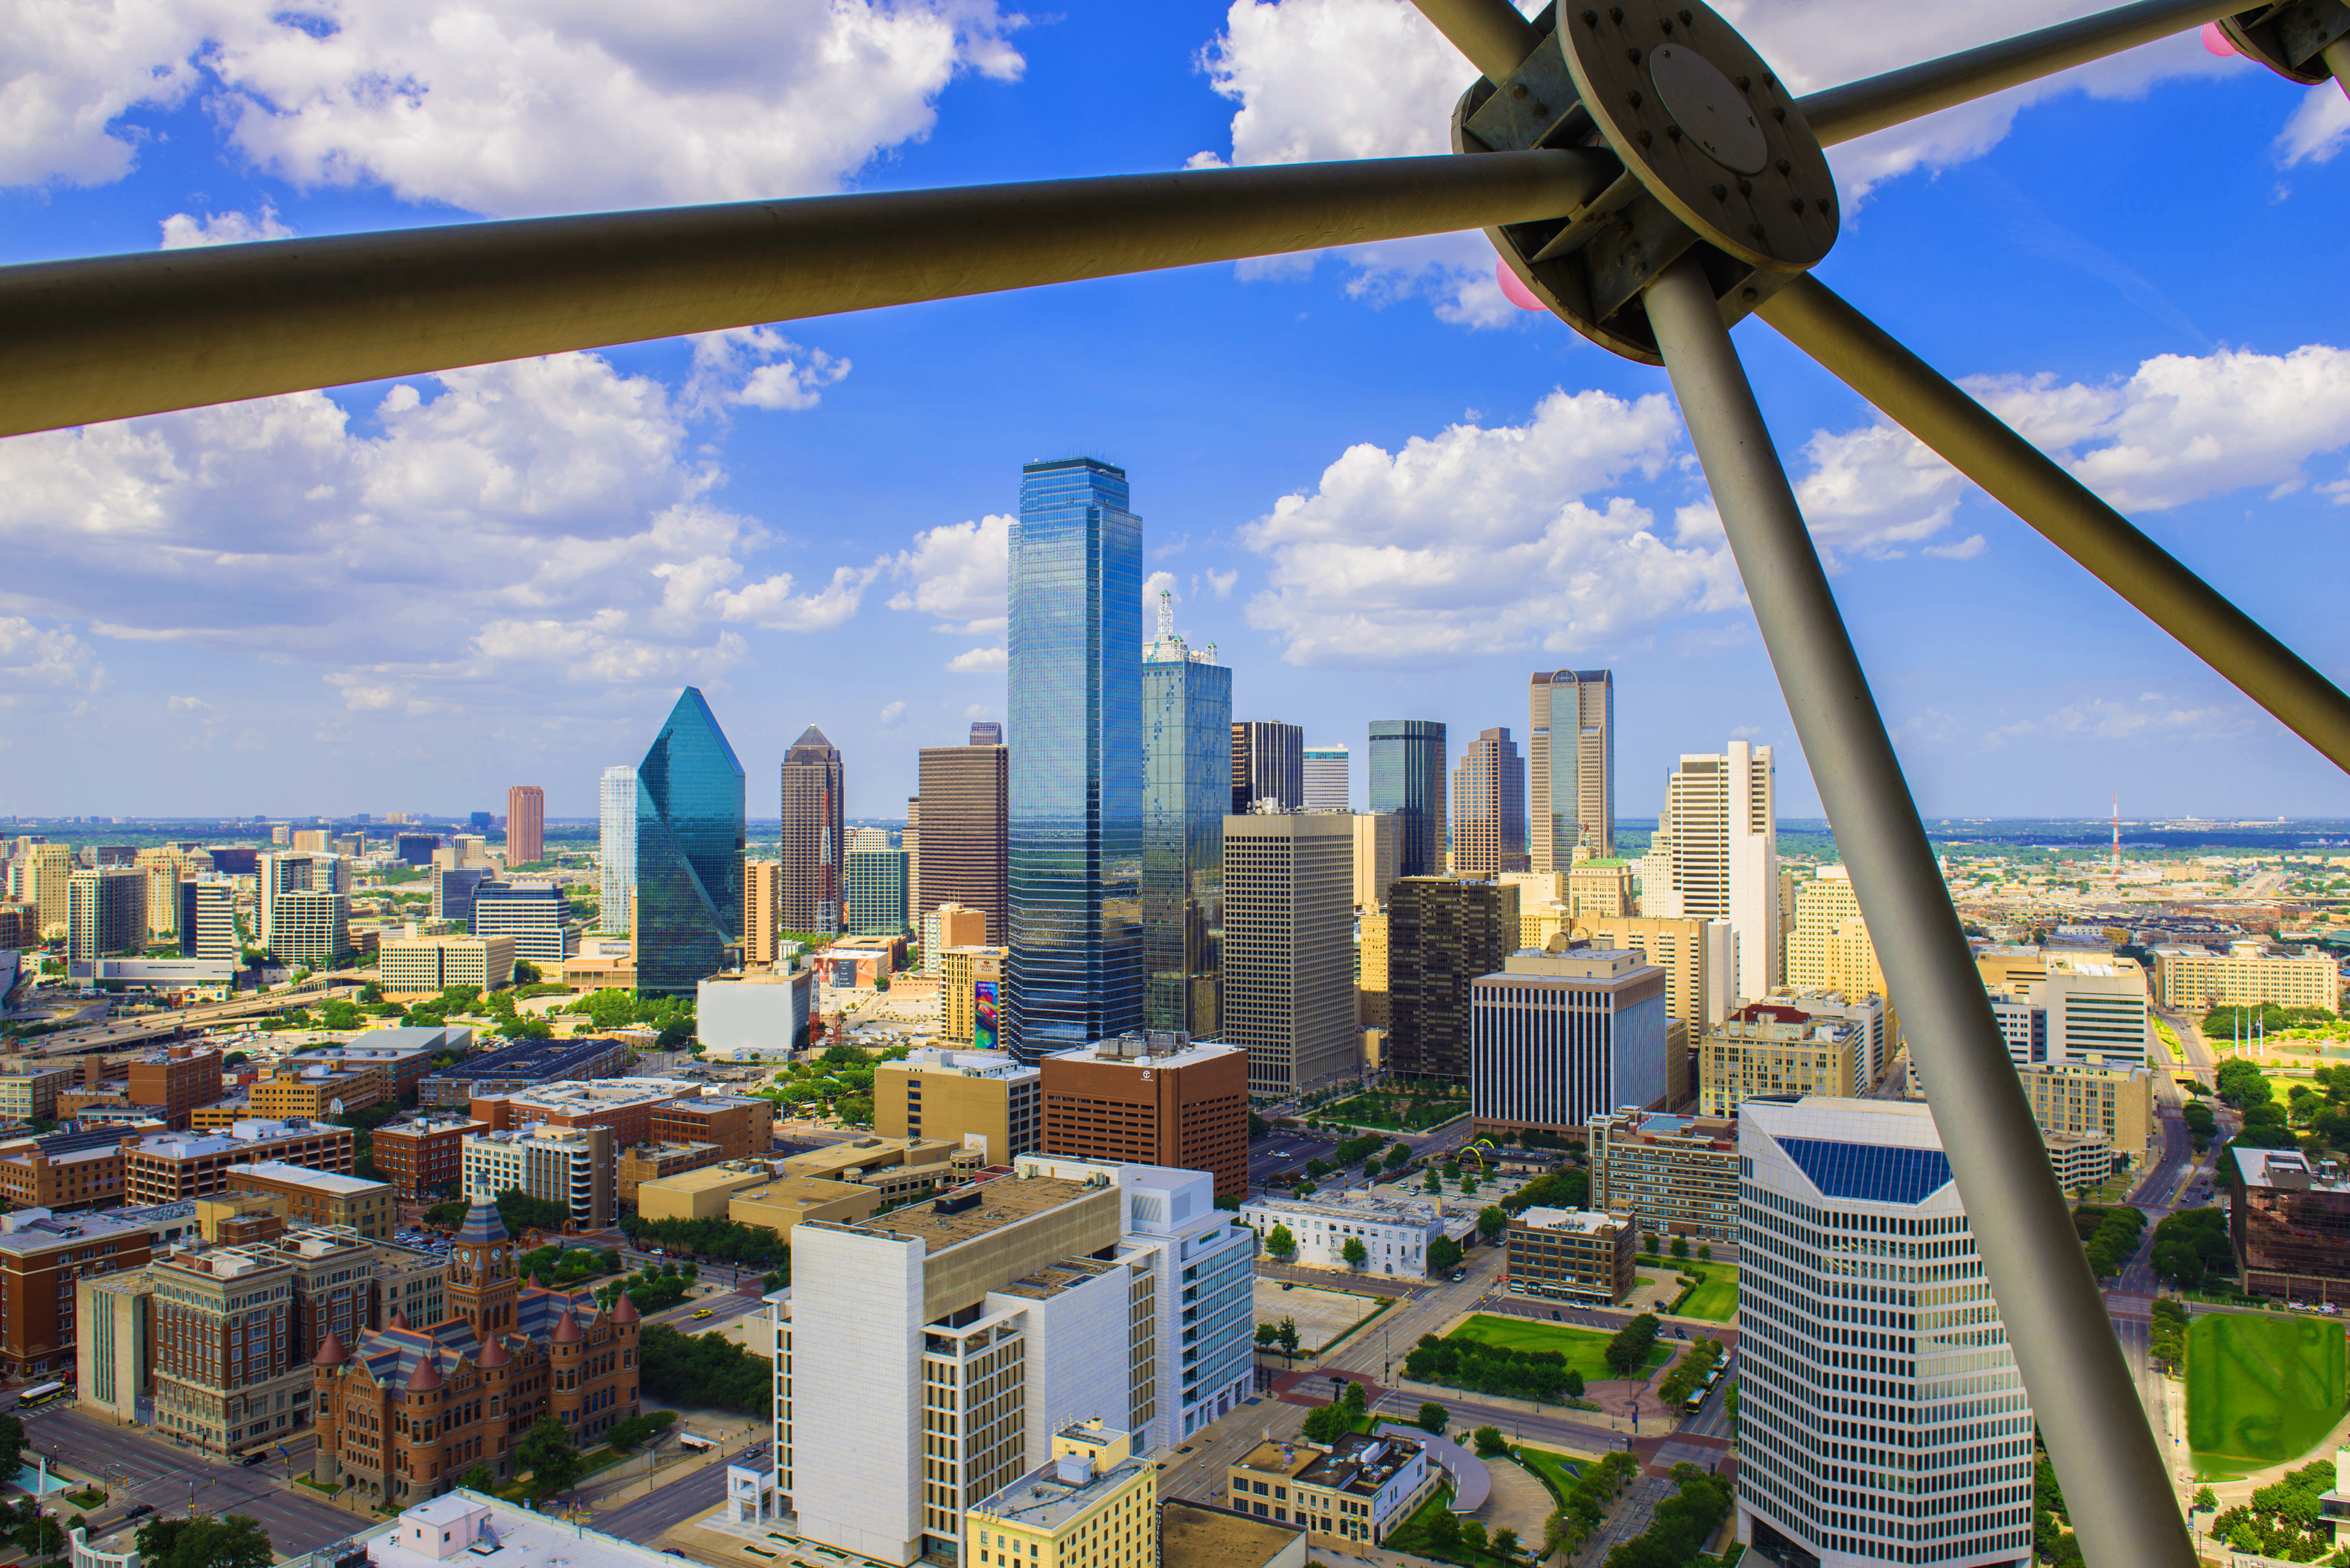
(960,971)
(1378,857)
(1289,913)
(105,913)
(983,1100)
(1371,968)
(2194,981)
(1696,956)
(1715,855)
(53,867)
(949,926)
(164,868)
(1829,947)
(1600,889)
(762,898)
(2115,1103)
(1768,1048)
(413,968)
(2096,1010)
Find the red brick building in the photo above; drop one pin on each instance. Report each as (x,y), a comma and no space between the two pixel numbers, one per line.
(1155,1099)
(178,1079)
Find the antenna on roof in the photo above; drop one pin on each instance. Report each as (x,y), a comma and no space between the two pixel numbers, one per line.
(1166,612)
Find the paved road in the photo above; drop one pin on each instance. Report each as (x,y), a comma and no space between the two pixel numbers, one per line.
(141,1468)
(651,1517)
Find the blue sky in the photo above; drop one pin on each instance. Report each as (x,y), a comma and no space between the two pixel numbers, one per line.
(1380,490)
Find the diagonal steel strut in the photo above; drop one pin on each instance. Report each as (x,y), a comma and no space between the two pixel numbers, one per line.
(117,336)
(2088,1411)
(2025,480)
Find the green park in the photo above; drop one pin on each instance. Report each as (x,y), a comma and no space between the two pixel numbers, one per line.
(2262,1389)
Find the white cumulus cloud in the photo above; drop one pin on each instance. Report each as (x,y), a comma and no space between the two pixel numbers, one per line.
(558,106)
(958,574)
(183,229)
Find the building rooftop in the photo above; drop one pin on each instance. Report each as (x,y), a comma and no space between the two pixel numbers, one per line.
(1376,1210)
(967,1213)
(1360,1464)
(1588,1221)
(487,1532)
(324,1180)
(1271,1458)
(39,1231)
(1199,1535)
(1050,1496)
(733,1174)
(532,1059)
(582,1098)
(961,1063)
(1610,964)
(1157,1051)
(868,1151)
(241,1135)
(2288,1170)
(1054,1278)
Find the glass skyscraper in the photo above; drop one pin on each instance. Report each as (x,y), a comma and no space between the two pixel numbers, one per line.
(690,823)
(616,852)
(1571,765)
(1187,715)
(1408,779)
(1075,971)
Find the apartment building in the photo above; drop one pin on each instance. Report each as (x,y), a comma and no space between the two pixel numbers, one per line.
(178,1168)
(1395,1233)
(573,1166)
(1154,1099)
(1556,1038)
(411,968)
(42,1255)
(1443,934)
(1567,1254)
(1675,1175)
(987,1100)
(208,921)
(1767,1048)
(317,1198)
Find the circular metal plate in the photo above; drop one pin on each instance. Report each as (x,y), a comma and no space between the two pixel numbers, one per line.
(1708,109)
(1779,214)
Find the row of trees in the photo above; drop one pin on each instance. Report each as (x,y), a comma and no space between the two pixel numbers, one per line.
(2282,1520)
(704,1369)
(1584,1505)
(714,1240)
(2191,1248)
(1681,1524)
(2109,1235)
(1479,1367)
(1690,1372)
(1628,1347)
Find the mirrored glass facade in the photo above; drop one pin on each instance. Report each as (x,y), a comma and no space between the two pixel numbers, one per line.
(1186,714)
(1075,971)
(1408,779)
(690,823)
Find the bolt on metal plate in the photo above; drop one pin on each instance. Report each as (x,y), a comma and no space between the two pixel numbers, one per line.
(1708,108)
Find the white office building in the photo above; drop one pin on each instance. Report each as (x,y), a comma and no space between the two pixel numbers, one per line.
(1556,1039)
(1715,857)
(934,1350)
(1881,1416)
(2097,1009)
(208,919)
(1395,1233)
(616,851)
(1326,784)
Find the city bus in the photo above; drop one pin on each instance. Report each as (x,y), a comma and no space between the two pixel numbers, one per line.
(40,1394)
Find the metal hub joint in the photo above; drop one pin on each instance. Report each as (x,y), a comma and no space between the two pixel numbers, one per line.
(2290,39)
(1712,156)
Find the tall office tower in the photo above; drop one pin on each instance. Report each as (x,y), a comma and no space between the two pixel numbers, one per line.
(1187,721)
(873,891)
(616,802)
(1075,683)
(986,733)
(164,867)
(911,842)
(1571,766)
(1829,947)
(1289,974)
(1558,1038)
(1489,807)
(1443,934)
(762,896)
(1880,1420)
(1378,857)
(1715,855)
(208,921)
(526,825)
(53,868)
(286,872)
(310,927)
(1327,784)
(814,834)
(1268,764)
(1408,779)
(532,913)
(966,829)
(105,913)
(1696,956)
(689,837)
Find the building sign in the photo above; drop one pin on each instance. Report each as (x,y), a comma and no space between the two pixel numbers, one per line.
(983,1014)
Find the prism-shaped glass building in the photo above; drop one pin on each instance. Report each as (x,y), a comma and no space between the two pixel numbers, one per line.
(1074,688)
(1187,718)
(689,836)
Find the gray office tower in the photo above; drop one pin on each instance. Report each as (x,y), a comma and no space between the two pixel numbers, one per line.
(1268,764)
(1187,715)
(1408,779)
(1075,686)
(1571,765)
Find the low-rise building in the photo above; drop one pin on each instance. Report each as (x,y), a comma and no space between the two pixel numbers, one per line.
(760,1010)
(1193,1534)
(315,1089)
(413,968)
(524,1064)
(1093,1505)
(782,1203)
(82,1168)
(226,1374)
(987,1100)
(178,1168)
(406,1053)
(1569,1254)
(1395,1233)
(741,1125)
(653,1161)
(700,1193)
(1351,1493)
(1774,1048)
(2196,980)
(1676,1176)
(2081,1160)
(625,1105)
(2289,1220)
(423,1153)
(31,1096)
(316,1198)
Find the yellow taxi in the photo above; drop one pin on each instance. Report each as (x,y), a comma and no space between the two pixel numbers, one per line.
(705,1312)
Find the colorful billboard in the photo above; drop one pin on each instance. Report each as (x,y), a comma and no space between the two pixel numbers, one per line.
(983,1014)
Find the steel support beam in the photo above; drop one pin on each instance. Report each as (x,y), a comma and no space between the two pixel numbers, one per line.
(2082,1393)
(2028,482)
(116,336)
(1491,33)
(1855,108)
(2337,56)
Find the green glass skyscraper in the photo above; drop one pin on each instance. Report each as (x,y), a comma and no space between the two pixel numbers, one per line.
(1408,779)
(690,835)
(1187,717)
(1075,971)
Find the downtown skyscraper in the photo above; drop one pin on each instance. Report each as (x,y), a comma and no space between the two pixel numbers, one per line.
(1715,857)
(814,836)
(1187,713)
(1408,779)
(1570,766)
(690,838)
(616,803)
(966,830)
(1489,807)
(1075,687)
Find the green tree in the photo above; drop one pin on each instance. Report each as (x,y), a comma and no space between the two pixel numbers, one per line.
(1430,1180)
(1354,1251)
(1444,1533)
(237,1541)
(1490,1442)
(1443,1255)
(12,1444)
(1472,1536)
(1432,1419)
(2205,1498)
(1505,1545)
(1680,1246)
(550,1456)
(1280,1244)
(1286,1332)
(481,1477)
(1628,1349)
(1491,1220)
(526,972)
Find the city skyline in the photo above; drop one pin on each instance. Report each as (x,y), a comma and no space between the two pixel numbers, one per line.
(745,508)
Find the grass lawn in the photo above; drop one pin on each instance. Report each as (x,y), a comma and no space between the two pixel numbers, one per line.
(1716,1299)
(2261,1388)
(1554,1470)
(1586,1349)
(1392,1112)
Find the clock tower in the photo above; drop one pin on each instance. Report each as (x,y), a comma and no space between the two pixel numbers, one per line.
(481,1280)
